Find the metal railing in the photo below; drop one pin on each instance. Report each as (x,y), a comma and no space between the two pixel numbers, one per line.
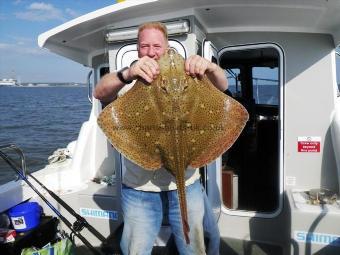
(16,149)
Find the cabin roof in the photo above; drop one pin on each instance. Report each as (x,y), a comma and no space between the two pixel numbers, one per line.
(83,37)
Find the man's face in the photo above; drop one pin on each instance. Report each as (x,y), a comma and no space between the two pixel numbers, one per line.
(152,43)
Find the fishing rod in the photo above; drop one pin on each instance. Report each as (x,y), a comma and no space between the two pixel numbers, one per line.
(81,222)
(73,229)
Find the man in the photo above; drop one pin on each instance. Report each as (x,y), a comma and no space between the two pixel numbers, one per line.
(146,194)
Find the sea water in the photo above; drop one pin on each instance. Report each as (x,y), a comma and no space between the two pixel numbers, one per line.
(40,120)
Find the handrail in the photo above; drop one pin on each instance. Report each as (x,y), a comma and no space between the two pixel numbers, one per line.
(89,88)
(19,152)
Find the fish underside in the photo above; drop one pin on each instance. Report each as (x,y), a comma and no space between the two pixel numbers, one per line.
(175,122)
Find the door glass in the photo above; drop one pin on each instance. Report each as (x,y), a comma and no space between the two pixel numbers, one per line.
(265,84)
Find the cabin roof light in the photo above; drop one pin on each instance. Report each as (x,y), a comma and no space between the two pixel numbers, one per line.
(174,28)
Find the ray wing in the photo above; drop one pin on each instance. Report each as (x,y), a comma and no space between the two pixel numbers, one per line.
(213,124)
(132,123)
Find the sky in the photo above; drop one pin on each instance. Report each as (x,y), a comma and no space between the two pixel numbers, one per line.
(21,22)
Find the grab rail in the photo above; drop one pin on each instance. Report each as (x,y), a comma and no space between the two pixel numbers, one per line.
(18,151)
(89,88)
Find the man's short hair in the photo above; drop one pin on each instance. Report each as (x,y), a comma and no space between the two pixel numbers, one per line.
(155,25)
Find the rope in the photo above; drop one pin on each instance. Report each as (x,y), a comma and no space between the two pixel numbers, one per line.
(58,156)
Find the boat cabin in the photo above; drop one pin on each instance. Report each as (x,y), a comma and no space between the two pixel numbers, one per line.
(276,190)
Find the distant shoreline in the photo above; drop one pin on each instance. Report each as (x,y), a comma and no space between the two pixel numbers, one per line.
(45,85)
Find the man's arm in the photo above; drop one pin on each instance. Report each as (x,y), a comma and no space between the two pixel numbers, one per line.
(198,66)
(109,85)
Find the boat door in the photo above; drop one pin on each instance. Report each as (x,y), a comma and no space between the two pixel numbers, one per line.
(212,172)
(248,177)
(252,172)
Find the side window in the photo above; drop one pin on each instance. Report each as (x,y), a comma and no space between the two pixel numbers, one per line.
(128,53)
(337,59)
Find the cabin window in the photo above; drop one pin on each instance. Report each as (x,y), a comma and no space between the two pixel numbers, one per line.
(337,63)
(234,83)
(128,53)
(251,168)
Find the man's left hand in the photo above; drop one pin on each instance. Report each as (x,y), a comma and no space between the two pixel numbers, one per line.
(197,66)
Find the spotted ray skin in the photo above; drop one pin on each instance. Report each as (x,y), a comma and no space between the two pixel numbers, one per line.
(175,122)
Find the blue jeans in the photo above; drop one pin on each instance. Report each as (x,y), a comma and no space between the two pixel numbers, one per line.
(143,214)
(211,231)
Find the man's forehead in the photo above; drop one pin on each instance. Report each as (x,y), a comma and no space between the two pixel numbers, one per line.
(151,33)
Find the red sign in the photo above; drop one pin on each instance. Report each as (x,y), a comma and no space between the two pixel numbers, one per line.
(309,144)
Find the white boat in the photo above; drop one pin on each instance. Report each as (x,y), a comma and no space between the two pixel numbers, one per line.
(8,82)
(276,191)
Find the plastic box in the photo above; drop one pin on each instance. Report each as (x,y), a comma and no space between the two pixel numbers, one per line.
(25,216)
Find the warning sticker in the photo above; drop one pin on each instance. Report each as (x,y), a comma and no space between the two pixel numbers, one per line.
(309,143)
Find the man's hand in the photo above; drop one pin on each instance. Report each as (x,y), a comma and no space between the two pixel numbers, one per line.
(145,68)
(197,66)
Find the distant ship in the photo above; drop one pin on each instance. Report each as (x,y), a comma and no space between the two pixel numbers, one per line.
(8,82)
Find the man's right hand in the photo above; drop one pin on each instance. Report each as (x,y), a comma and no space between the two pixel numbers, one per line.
(145,68)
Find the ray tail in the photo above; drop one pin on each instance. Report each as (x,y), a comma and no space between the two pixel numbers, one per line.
(183,203)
